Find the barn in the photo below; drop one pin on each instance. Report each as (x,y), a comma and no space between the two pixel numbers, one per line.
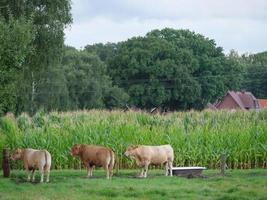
(236,101)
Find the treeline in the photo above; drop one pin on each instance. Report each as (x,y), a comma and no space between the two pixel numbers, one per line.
(172,69)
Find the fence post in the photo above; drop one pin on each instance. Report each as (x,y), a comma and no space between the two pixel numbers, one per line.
(5,163)
(223,164)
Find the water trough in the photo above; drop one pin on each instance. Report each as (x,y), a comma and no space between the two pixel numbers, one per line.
(188,171)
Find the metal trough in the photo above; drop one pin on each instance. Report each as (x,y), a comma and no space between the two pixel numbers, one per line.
(188,171)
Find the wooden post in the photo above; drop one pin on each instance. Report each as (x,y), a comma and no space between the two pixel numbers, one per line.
(5,163)
(223,164)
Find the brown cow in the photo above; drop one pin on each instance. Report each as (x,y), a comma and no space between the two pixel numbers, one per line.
(92,155)
(34,159)
(146,155)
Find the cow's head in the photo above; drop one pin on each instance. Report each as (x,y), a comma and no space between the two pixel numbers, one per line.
(75,150)
(131,150)
(17,154)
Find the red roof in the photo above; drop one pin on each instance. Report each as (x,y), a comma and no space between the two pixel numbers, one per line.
(263,103)
(244,100)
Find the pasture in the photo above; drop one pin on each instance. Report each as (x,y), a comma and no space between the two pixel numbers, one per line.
(198,138)
(72,184)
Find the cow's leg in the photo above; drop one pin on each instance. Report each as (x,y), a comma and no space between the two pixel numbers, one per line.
(89,171)
(145,169)
(142,172)
(47,175)
(41,169)
(33,175)
(29,174)
(166,169)
(110,172)
(107,170)
(170,167)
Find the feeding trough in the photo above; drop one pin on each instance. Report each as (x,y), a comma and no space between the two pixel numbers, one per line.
(188,171)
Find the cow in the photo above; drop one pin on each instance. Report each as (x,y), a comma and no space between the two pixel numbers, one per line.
(156,155)
(95,156)
(34,159)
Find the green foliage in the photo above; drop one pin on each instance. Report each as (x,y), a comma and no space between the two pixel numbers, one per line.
(39,119)
(16,36)
(104,51)
(172,69)
(48,20)
(177,69)
(88,83)
(256,74)
(198,138)
(24,122)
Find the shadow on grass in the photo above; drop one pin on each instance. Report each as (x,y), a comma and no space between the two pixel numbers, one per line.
(20,180)
(253,174)
(135,175)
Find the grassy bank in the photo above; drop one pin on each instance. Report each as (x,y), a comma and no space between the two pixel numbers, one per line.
(198,138)
(72,184)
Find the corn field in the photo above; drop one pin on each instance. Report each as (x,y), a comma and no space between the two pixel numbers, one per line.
(198,138)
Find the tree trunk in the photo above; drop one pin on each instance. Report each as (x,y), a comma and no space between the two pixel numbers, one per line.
(5,164)
(33,94)
(223,164)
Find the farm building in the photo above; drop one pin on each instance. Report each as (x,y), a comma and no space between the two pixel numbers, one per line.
(237,100)
(263,103)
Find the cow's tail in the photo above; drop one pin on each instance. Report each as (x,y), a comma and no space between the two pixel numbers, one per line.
(47,162)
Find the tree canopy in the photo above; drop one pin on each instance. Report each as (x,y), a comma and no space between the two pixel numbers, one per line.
(255,79)
(38,26)
(16,36)
(168,68)
(177,69)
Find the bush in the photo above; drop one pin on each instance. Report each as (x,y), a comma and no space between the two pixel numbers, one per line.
(24,122)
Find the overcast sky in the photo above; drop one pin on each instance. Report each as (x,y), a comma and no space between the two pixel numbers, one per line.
(233,24)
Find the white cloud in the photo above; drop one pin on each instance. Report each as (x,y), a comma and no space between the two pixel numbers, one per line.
(240,25)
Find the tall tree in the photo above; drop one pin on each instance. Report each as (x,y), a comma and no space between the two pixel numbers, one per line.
(177,69)
(49,19)
(16,36)
(104,51)
(88,84)
(256,74)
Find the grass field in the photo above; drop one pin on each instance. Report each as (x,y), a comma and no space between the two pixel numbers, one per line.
(72,184)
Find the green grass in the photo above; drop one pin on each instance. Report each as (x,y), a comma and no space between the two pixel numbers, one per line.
(72,184)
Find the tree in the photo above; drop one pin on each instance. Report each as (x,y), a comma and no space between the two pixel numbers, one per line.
(255,79)
(88,84)
(177,69)
(104,51)
(49,18)
(16,36)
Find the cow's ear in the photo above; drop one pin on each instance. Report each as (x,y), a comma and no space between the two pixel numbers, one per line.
(135,146)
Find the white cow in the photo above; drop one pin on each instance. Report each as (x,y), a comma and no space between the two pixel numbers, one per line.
(34,159)
(146,155)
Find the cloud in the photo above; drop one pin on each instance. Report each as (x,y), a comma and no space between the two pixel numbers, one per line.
(238,24)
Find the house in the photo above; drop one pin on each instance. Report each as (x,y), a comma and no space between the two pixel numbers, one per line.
(237,100)
(263,103)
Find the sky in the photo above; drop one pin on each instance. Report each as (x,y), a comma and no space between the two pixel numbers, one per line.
(234,24)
